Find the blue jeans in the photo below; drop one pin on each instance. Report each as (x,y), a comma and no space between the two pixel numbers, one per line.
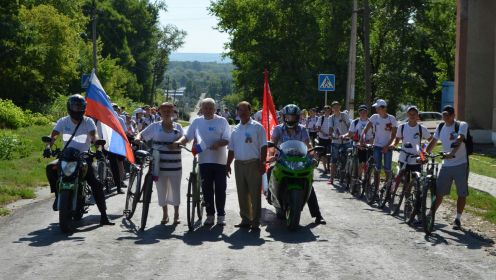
(388,159)
(214,174)
(336,149)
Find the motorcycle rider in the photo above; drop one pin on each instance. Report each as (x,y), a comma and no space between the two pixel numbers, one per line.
(84,136)
(290,129)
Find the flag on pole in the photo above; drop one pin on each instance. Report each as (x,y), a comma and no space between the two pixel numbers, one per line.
(100,108)
(269,117)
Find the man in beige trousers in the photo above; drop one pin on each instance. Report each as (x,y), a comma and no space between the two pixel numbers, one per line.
(248,145)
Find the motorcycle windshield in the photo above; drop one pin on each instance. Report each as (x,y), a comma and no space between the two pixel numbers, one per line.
(294,148)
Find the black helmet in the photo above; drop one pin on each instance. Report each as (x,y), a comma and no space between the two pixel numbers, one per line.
(76,106)
(291,114)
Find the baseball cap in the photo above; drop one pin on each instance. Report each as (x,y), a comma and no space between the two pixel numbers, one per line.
(380,103)
(335,103)
(362,108)
(448,109)
(412,108)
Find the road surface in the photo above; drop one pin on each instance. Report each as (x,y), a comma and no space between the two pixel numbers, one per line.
(359,242)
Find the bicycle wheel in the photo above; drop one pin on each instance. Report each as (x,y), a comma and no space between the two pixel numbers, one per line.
(190,201)
(428,199)
(147,197)
(384,195)
(200,203)
(101,171)
(398,194)
(133,193)
(412,200)
(371,186)
(354,180)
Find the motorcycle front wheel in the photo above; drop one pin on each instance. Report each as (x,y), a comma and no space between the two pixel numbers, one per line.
(65,211)
(293,210)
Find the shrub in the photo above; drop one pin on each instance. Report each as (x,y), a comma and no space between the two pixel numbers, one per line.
(11,146)
(12,116)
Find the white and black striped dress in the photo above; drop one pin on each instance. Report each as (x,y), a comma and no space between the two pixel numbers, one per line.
(169,182)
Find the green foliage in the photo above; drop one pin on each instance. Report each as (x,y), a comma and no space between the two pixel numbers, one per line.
(11,146)
(12,116)
(412,48)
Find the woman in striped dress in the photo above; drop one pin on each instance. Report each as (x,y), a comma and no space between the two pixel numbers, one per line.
(163,134)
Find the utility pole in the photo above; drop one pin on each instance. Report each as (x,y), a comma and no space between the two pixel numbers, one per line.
(167,92)
(366,50)
(350,88)
(93,17)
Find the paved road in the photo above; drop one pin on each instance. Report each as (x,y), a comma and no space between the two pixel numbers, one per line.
(359,242)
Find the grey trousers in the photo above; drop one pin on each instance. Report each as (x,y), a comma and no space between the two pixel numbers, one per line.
(248,184)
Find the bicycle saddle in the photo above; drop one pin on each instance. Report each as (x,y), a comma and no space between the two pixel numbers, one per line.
(141,154)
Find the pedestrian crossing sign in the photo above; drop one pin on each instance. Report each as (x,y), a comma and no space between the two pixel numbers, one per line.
(327,82)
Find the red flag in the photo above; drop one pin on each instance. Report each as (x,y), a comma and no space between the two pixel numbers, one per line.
(269,117)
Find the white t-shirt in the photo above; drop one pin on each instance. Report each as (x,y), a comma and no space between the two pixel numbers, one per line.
(311,124)
(340,126)
(358,130)
(208,132)
(170,160)
(81,140)
(411,135)
(382,128)
(447,137)
(324,126)
(258,116)
(247,140)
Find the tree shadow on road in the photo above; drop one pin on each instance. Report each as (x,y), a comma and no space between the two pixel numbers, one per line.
(48,236)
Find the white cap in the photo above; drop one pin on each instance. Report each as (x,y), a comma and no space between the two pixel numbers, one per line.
(139,110)
(379,103)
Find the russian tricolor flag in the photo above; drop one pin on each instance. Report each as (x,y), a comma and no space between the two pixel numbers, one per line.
(100,108)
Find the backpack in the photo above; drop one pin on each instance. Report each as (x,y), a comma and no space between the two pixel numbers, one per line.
(322,120)
(469,141)
(420,132)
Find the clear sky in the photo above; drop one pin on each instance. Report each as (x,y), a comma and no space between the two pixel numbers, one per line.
(193,17)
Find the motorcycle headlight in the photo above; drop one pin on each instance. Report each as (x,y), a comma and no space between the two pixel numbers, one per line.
(295,165)
(68,168)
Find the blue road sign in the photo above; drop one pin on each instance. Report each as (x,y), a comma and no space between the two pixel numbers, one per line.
(327,82)
(85,80)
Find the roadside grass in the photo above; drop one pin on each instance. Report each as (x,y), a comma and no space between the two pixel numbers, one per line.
(479,203)
(20,176)
(481,164)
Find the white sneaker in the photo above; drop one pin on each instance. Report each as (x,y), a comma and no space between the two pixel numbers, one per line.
(221,220)
(209,221)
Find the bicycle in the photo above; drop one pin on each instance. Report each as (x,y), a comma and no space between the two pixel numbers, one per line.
(370,185)
(425,193)
(194,197)
(104,172)
(341,162)
(402,187)
(136,190)
(351,170)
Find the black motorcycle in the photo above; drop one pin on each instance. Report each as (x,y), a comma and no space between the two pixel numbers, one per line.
(74,194)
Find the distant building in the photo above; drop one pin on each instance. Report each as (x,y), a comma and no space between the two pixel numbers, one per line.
(175,94)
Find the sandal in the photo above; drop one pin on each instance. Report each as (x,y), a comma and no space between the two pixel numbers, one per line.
(164,221)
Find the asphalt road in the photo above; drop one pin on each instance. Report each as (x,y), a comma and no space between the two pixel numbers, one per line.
(359,242)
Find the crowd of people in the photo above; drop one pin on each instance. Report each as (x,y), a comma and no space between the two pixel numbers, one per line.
(245,145)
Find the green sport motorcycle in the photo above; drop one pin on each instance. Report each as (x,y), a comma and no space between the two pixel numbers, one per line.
(290,182)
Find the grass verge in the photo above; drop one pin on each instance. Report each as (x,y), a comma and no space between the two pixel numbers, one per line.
(481,164)
(183,123)
(19,177)
(479,203)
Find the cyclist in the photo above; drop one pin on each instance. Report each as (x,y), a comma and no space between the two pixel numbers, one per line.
(84,135)
(212,133)
(323,125)
(411,132)
(338,129)
(311,125)
(385,127)
(355,133)
(163,135)
(453,135)
(290,129)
